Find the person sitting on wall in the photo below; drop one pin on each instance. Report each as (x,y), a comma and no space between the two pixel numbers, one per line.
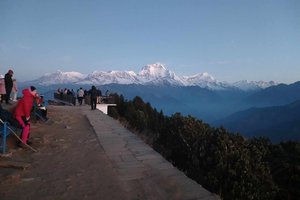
(40,108)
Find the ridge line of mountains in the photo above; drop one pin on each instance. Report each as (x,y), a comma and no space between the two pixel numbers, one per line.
(152,74)
(248,107)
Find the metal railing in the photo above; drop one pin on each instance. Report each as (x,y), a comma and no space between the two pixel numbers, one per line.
(87,99)
(100,99)
(65,98)
(4,132)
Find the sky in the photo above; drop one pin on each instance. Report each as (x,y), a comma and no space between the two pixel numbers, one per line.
(231,40)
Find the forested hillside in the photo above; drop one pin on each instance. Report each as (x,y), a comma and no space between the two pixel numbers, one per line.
(228,164)
(279,123)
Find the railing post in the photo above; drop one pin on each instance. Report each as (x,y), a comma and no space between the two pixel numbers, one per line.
(4,137)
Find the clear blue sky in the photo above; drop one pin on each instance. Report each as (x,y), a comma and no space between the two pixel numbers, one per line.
(230,39)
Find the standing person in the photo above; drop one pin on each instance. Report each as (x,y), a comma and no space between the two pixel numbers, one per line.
(2,88)
(14,90)
(94,94)
(80,95)
(22,113)
(8,84)
(99,96)
(73,94)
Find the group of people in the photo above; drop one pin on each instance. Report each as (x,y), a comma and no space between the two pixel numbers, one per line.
(80,95)
(24,107)
(32,102)
(65,91)
(8,87)
(94,93)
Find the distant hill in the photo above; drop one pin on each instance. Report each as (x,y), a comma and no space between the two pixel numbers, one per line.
(279,123)
(275,95)
(186,100)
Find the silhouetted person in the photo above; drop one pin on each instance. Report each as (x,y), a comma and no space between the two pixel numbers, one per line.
(94,94)
(8,84)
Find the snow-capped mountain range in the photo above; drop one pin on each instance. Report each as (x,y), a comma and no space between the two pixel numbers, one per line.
(152,74)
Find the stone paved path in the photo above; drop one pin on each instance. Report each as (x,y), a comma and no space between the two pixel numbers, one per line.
(85,154)
(140,169)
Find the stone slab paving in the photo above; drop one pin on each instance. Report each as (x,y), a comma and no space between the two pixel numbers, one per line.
(141,170)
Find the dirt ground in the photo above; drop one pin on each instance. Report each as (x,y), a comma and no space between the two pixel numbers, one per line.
(69,164)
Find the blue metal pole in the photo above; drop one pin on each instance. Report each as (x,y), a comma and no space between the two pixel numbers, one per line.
(4,137)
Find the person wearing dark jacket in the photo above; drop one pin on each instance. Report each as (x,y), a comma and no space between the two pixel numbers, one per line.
(8,84)
(94,94)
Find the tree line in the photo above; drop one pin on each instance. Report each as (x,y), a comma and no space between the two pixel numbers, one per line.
(225,163)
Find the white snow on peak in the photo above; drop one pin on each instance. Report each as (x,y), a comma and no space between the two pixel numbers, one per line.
(205,80)
(60,77)
(120,77)
(157,74)
(154,70)
(200,77)
(253,85)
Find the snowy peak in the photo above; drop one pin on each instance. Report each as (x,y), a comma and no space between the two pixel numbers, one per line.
(154,71)
(253,85)
(102,78)
(205,80)
(60,77)
(157,74)
(198,78)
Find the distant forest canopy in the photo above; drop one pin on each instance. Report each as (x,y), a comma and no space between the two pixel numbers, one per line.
(230,165)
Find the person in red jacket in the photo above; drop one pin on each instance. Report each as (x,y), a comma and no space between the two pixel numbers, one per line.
(22,113)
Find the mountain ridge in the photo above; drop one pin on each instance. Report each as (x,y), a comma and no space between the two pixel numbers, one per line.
(151,74)
(276,122)
(203,103)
